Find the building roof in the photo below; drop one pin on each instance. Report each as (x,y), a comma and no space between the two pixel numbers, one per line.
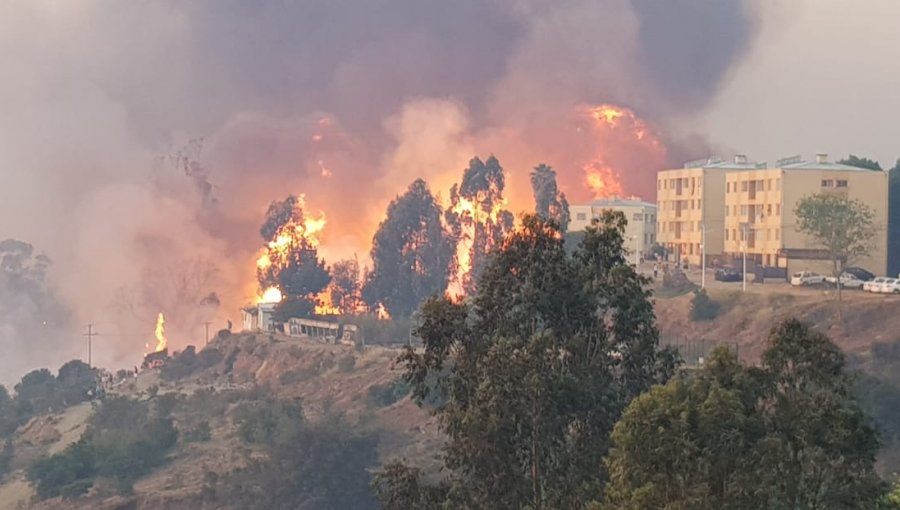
(621,202)
(731,165)
(827,165)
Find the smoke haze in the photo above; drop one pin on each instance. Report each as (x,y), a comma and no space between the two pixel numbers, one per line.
(143,141)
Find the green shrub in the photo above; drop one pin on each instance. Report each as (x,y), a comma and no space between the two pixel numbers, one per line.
(267,421)
(384,395)
(199,434)
(703,308)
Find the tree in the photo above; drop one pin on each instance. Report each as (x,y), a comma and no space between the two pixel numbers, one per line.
(894,220)
(549,202)
(292,260)
(345,285)
(787,435)
(858,162)
(75,380)
(538,366)
(841,226)
(411,253)
(477,220)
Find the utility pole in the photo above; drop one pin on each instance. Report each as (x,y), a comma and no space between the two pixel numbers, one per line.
(207,323)
(702,255)
(90,336)
(744,249)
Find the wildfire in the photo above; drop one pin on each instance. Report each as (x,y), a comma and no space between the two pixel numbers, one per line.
(382,313)
(161,342)
(271,295)
(324,305)
(616,127)
(476,227)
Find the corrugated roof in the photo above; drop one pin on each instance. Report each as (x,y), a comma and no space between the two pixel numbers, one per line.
(621,202)
(813,165)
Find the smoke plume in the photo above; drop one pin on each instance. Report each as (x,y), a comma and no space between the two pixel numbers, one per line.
(344,102)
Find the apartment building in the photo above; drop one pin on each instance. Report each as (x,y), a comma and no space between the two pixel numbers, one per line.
(640,233)
(759,212)
(690,204)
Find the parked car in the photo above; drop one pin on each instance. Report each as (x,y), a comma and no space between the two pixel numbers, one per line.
(860,273)
(729,274)
(891,286)
(806,278)
(848,281)
(875,284)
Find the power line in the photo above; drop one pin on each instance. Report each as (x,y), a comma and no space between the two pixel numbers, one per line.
(90,336)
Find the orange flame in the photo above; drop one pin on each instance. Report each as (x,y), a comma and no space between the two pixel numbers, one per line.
(161,342)
(473,218)
(324,305)
(270,295)
(615,124)
(382,313)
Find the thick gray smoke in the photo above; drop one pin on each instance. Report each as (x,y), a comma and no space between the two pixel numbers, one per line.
(105,103)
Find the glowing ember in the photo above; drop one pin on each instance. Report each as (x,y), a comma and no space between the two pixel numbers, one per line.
(161,342)
(271,295)
(382,313)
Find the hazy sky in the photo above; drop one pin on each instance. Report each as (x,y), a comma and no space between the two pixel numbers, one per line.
(822,76)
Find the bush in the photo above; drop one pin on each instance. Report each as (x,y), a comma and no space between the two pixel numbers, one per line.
(189,361)
(347,363)
(268,421)
(199,434)
(384,395)
(703,308)
(123,442)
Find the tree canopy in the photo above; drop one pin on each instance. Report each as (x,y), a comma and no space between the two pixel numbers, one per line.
(411,253)
(854,160)
(536,368)
(549,202)
(894,220)
(789,434)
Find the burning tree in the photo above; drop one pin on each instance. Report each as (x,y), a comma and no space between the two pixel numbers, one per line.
(411,253)
(344,291)
(290,261)
(549,202)
(477,220)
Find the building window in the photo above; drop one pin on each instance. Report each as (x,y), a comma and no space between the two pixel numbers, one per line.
(777,209)
(581,216)
(769,209)
(778,184)
(743,185)
(743,210)
(841,183)
(699,204)
(777,234)
(726,234)
(770,184)
(727,187)
(827,183)
(637,217)
(734,234)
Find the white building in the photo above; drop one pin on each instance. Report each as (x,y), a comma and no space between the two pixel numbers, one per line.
(640,233)
(259,317)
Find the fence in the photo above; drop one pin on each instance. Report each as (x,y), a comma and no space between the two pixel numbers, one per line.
(694,352)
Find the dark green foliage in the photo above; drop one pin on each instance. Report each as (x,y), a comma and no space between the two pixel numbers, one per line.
(76,380)
(549,202)
(858,162)
(199,434)
(41,392)
(6,458)
(483,226)
(124,442)
(323,466)
(268,421)
(188,362)
(375,331)
(346,292)
(399,487)
(37,392)
(411,253)
(787,435)
(538,368)
(703,308)
(297,271)
(294,307)
(383,395)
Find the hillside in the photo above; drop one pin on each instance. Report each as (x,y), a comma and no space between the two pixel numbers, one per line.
(213,389)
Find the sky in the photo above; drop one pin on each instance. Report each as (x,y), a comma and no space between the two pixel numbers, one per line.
(822,77)
(141,142)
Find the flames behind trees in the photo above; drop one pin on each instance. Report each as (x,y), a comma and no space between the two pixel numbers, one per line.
(549,202)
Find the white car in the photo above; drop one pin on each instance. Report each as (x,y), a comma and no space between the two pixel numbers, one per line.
(875,285)
(805,278)
(891,286)
(848,281)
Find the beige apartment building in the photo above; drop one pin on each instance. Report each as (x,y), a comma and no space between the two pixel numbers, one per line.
(759,212)
(690,203)
(640,233)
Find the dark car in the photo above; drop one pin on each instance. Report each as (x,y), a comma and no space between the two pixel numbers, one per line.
(860,273)
(728,274)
